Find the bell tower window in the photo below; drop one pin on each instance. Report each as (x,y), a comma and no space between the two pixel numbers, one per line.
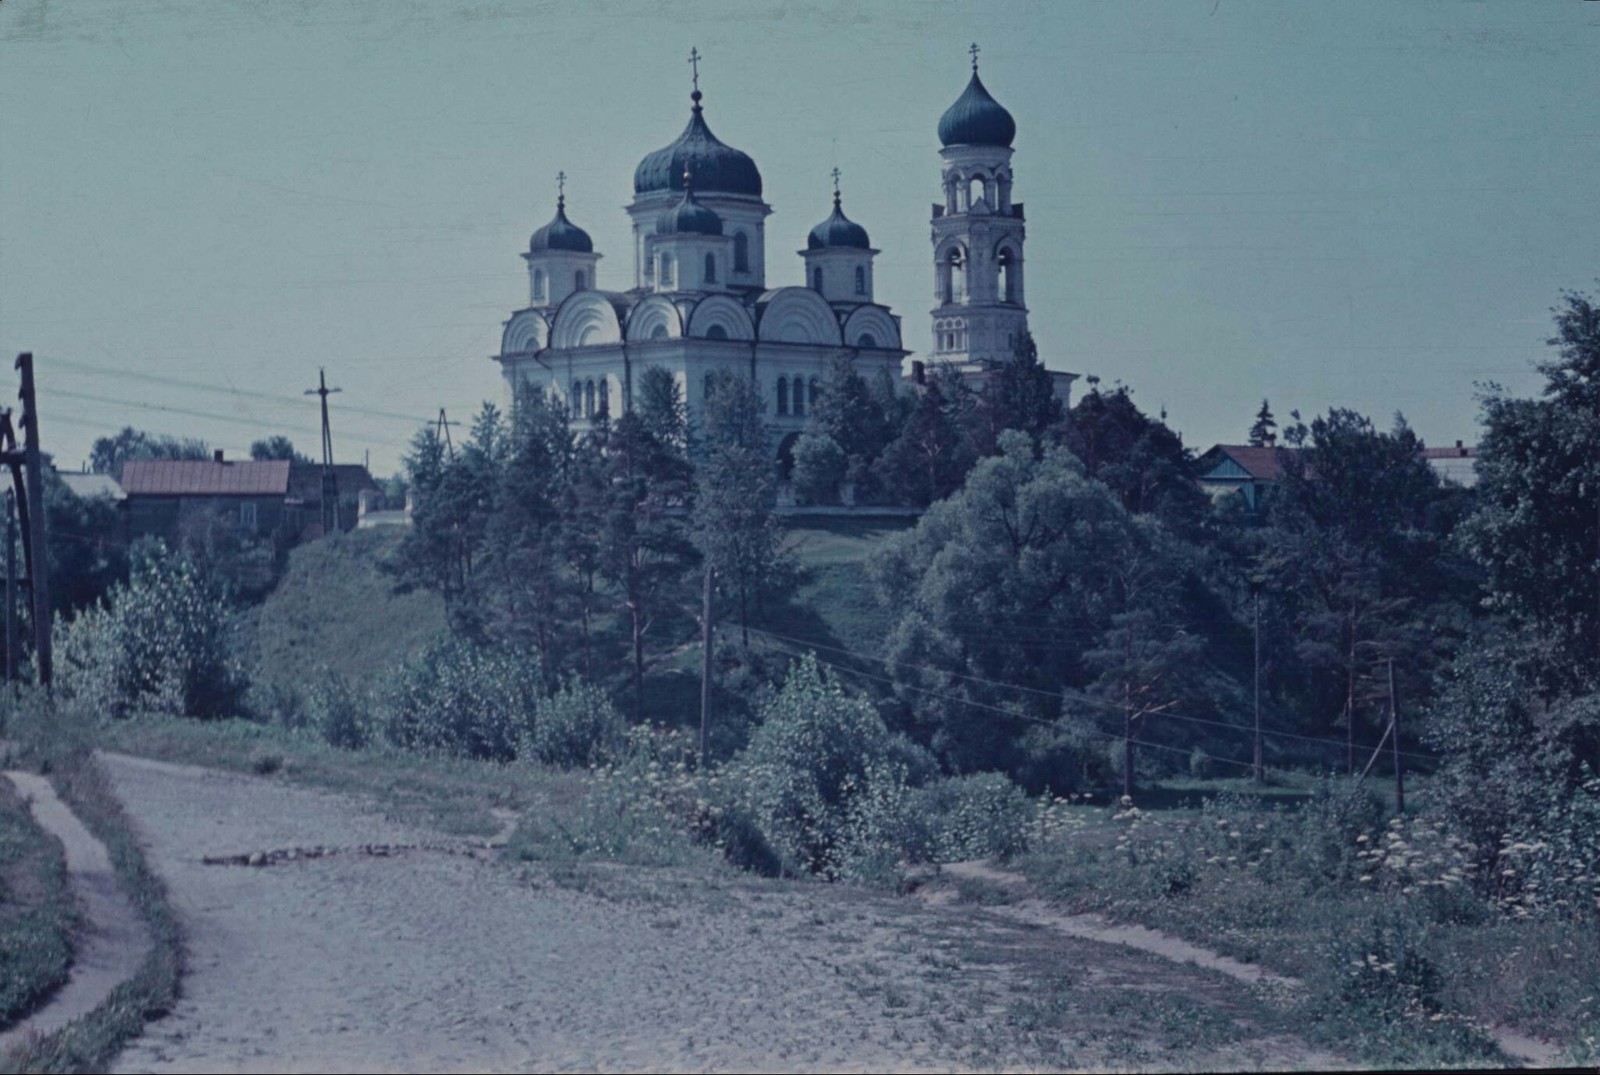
(711,269)
(861,280)
(538,285)
(741,252)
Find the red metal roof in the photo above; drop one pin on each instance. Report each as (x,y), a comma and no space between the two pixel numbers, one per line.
(1460,451)
(205,477)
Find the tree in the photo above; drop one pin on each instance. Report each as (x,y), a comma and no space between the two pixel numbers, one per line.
(733,524)
(108,454)
(1020,395)
(859,417)
(1264,433)
(933,453)
(1535,529)
(1138,457)
(277,447)
(662,410)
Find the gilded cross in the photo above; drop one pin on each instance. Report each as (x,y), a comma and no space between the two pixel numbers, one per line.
(974,51)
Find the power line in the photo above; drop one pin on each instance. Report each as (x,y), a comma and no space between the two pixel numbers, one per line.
(287,427)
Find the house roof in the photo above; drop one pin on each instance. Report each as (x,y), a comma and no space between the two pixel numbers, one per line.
(1459,451)
(305,480)
(1263,464)
(205,477)
(91,485)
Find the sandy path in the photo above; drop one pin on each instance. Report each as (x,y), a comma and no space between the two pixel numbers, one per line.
(113,940)
(437,961)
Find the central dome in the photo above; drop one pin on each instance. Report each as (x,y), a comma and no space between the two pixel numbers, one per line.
(718,168)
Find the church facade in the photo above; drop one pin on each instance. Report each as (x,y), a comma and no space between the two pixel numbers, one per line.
(700,301)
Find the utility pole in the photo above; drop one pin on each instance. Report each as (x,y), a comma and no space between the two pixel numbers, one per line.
(1255,600)
(705,668)
(1394,745)
(11,586)
(38,571)
(444,432)
(330,484)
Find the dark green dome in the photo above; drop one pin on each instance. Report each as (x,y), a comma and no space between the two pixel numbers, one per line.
(838,230)
(688,217)
(561,234)
(976,119)
(718,168)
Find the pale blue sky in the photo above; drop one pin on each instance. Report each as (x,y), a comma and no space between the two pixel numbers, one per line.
(1370,205)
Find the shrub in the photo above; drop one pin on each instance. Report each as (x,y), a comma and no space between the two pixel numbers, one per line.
(574,728)
(339,711)
(819,467)
(158,644)
(969,817)
(463,699)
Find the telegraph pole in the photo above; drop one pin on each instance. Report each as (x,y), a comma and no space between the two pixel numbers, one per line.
(1255,600)
(11,586)
(443,428)
(330,484)
(39,572)
(1394,745)
(705,667)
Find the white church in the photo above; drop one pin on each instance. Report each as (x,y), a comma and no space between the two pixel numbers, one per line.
(700,300)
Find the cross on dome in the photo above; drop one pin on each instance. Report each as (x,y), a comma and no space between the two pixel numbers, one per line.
(835,186)
(974,51)
(561,188)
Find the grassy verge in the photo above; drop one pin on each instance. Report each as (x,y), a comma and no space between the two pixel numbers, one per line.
(1404,961)
(36,917)
(59,745)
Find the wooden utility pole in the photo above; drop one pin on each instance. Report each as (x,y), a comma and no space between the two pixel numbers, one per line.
(1394,746)
(39,570)
(1255,599)
(443,428)
(11,586)
(705,668)
(330,484)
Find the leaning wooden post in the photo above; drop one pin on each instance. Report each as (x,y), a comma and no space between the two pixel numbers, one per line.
(11,586)
(35,492)
(1394,726)
(706,643)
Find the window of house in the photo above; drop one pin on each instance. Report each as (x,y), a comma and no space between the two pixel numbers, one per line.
(247,515)
(588,399)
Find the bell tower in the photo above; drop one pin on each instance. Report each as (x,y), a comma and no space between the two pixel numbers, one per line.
(978,232)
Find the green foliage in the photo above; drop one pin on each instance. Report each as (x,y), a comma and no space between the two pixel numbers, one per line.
(36,911)
(934,450)
(1136,456)
(1264,432)
(1019,395)
(86,550)
(464,699)
(160,643)
(108,454)
(974,816)
(277,447)
(819,468)
(340,711)
(576,727)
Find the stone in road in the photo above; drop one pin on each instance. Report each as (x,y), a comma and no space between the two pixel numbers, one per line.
(434,961)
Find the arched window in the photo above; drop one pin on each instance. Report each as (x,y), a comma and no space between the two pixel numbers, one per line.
(716,332)
(605,396)
(588,399)
(783,395)
(741,252)
(977,192)
(666,270)
(861,279)
(1008,277)
(659,332)
(867,340)
(538,285)
(576,395)
(711,269)
(816,278)
(578,282)
(799,409)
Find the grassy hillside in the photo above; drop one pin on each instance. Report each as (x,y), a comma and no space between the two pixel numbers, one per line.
(336,608)
(835,605)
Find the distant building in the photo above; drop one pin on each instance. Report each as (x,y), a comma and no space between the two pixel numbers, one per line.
(1241,468)
(1458,464)
(88,486)
(351,481)
(165,496)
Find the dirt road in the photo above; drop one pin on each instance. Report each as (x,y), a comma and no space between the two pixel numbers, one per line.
(438,961)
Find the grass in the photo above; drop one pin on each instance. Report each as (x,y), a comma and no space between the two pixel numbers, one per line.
(59,744)
(835,605)
(36,911)
(335,608)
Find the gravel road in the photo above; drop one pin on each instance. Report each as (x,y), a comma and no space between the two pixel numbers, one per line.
(438,961)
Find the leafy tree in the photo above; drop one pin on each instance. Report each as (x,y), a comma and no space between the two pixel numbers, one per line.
(1264,433)
(108,454)
(1535,530)
(661,408)
(819,467)
(277,447)
(1019,395)
(1138,457)
(933,453)
(734,527)
(87,551)
(859,417)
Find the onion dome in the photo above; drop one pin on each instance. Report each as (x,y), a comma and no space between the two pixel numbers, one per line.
(976,119)
(837,230)
(719,169)
(561,234)
(688,217)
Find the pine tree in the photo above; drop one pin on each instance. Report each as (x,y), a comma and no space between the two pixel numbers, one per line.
(1264,434)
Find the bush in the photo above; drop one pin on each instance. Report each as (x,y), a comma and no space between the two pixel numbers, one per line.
(574,728)
(158,644)
(339,711)
(819,467)
(968,817)
(471,701)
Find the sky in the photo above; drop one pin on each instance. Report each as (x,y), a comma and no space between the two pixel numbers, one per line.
(1364,205)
